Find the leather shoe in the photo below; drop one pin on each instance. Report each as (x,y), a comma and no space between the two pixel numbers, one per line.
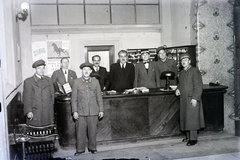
(92,151)
(191,142)
(78,153)
(185,139)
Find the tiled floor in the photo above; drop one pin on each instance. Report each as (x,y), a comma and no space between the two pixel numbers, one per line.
(211,146)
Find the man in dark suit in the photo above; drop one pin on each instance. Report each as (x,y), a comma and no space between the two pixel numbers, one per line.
(190,91)
(87,107)
(122,74)
(38,97)
(146,74)
(63,75)
(100,73)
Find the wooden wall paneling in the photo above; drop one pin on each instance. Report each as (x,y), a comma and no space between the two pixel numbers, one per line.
(129,117)
(163,115)
(104,131)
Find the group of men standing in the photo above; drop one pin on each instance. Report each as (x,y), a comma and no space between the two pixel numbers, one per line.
(86,98)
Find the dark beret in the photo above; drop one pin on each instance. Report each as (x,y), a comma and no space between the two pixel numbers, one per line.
(39,62)
(161,48)
(86,64)
(184,55)
(145,52)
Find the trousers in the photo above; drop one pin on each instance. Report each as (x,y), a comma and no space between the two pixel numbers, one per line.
(192,134)
(86,128)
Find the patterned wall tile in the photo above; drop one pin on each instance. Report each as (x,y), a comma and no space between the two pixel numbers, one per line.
(215,48)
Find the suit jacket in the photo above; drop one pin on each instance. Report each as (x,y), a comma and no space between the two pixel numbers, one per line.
(121,79)
(86,97)
(191,87)
(58,76)
(103,77)
(38,97)
(146,78)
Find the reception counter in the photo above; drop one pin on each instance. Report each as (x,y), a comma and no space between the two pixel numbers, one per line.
(130,117)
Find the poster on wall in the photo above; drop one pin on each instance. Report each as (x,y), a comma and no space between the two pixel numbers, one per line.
(55,51)
(58,49)
(39,51)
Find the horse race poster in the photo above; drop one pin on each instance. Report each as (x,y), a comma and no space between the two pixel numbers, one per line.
(58,49)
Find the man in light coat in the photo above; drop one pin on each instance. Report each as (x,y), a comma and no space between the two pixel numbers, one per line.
(190,91)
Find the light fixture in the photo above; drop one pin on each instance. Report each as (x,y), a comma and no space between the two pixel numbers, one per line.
(22,15)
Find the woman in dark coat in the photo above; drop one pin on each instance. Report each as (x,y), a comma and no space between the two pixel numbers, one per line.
(38,97)
(190,90)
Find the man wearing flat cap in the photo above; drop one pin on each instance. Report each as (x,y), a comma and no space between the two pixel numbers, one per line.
(87,108)
(38,97)
(190,91)
(165,64)
(146,74)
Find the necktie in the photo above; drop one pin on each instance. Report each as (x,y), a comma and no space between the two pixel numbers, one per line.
(122,66)
(65,72)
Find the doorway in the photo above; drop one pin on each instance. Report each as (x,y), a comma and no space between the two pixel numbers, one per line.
(106,52)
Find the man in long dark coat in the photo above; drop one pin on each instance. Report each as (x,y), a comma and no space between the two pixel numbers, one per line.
(38,97)
(190,91)
(146,74)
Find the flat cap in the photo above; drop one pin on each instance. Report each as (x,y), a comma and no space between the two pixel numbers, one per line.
(145,52)
(161,48)
(184,55)
(86,64)
(39,62)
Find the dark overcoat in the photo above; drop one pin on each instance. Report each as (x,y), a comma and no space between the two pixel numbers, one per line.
(146,78)
(103,77)
(190,87)
(38,97)
(58,76)
(168,65)
(121,79)
(86,97)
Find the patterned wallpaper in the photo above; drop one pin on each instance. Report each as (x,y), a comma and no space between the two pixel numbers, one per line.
(215,49)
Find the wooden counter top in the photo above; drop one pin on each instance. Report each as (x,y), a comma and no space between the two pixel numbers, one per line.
(157,92)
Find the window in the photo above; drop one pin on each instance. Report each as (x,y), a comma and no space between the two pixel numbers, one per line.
(101,12)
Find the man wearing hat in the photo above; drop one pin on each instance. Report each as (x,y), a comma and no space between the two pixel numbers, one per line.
(190,91)
(165,64)
(146,74)
(38,97)
(63,75)
(87,108)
